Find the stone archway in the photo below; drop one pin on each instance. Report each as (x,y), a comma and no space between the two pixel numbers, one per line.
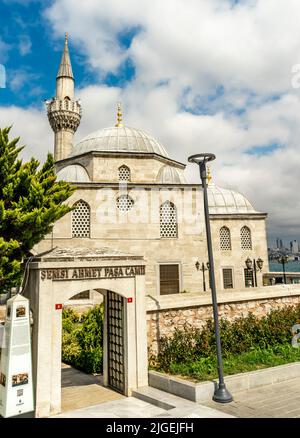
(58,275)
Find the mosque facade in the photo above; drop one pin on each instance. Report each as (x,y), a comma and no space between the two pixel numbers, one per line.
(133,197)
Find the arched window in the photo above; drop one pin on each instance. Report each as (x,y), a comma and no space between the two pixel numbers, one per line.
(81,219)
(246,241)
(168,220)
(225,239)
(124,173)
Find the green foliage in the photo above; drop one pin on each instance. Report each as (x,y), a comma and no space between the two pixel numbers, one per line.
(242,336)
(82,339)
(31,201)
(205,368)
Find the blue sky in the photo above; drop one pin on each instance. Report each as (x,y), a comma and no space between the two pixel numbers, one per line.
(32,55)
(215,75)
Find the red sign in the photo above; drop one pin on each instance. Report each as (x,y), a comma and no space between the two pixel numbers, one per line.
(58,306)
(129,300)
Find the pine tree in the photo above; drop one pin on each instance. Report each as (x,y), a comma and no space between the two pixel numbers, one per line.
(31,201)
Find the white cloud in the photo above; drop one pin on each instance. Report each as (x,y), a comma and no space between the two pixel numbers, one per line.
(182,54)
(32,126)
(25,45)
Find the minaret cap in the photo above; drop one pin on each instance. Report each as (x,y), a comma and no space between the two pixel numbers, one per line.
(65,68)
(119,115)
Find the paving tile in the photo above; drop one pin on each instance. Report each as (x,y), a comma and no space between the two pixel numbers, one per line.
(280,400)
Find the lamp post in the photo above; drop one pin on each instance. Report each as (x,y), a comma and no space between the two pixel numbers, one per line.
(283,260)
(203,269)
(221,394)
(257,267)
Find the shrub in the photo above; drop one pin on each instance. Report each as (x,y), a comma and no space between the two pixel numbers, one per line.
(244,334)
(82,339)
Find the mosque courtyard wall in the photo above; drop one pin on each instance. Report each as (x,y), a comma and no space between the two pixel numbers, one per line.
(165,314)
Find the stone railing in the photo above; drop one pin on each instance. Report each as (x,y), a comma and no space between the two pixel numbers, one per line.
(165,313)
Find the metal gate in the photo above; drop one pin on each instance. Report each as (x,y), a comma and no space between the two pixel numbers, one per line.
(115,340)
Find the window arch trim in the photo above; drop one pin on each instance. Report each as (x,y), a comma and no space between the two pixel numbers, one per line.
(81,219)
(246,238)
(225,239)
(124,173)
(168,220)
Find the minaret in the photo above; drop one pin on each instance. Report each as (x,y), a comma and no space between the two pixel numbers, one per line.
(64,113)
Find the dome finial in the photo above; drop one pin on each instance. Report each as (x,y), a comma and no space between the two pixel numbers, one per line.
(208,177)
(119,115)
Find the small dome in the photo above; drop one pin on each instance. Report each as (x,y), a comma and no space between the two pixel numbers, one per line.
(224,201)
(119,139)
(169,175)
(73,173)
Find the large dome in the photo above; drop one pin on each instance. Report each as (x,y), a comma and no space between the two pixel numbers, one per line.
(119,139)
(224,201)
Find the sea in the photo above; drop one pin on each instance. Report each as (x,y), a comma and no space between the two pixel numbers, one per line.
(289,266)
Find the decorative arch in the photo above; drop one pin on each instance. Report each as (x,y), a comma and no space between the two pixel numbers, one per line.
(225,239)
(124,173)
(168,220)
(81,220)
(246,239)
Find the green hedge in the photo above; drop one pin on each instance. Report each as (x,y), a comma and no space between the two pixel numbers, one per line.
(244,334)
(82,339)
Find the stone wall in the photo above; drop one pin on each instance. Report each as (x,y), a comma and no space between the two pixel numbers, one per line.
(166,314)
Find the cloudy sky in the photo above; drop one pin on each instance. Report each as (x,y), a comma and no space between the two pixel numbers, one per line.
(215,76)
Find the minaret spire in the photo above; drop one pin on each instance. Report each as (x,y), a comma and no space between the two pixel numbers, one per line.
(64,112)
(65,68)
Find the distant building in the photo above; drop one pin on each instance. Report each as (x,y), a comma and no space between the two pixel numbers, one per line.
(294,247)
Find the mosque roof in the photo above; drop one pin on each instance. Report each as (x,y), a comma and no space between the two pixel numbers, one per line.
(73,173)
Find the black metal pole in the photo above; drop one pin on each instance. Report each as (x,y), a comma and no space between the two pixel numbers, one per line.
(283,268)
(255,275)
(221,394)
(203,274)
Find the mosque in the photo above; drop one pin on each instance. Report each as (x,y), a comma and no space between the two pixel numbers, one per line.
(134,198)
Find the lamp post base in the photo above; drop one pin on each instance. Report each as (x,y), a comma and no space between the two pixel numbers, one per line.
(222,395)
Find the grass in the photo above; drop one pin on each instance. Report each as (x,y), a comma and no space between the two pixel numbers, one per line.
(206,368)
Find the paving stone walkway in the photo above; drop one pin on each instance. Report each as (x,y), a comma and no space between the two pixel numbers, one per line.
(79,390)
(281,400)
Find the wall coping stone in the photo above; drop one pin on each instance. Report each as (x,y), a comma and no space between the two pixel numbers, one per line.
(182,300)
(203,392)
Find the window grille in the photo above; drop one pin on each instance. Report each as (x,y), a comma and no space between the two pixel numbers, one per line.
(124,173)
(169,279)
(225,240)
(81,218)
(168,220)
(249,280)
(246,241)
(125,203)
(227,278)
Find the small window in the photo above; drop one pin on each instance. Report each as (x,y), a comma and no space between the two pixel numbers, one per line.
(227,278)
(125,203)
(81,220)
(124,173)
(225,240)
(249,280)
(246,241)
(169,279)
(168,220)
